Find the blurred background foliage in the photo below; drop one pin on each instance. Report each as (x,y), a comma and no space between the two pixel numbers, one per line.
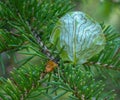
(107,11)
(103,11)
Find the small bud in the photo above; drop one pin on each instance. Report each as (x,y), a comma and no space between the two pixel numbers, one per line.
(51,65)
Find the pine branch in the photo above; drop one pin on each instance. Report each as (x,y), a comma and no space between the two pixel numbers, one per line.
(79,83)
(23,82)
(8,41)
(102,66)
(109,58)
(15,17)
(28,18)
(44,48)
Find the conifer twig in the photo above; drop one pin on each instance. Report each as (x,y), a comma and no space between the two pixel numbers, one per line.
(102,65)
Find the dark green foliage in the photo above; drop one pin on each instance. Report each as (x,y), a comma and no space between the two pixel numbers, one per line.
(23,81)
(28,81)
(9,41)
(18,20)
(79,83)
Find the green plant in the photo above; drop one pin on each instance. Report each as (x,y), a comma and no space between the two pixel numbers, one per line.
(24,26)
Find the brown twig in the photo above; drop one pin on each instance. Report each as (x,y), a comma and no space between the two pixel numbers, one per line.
(102,65)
